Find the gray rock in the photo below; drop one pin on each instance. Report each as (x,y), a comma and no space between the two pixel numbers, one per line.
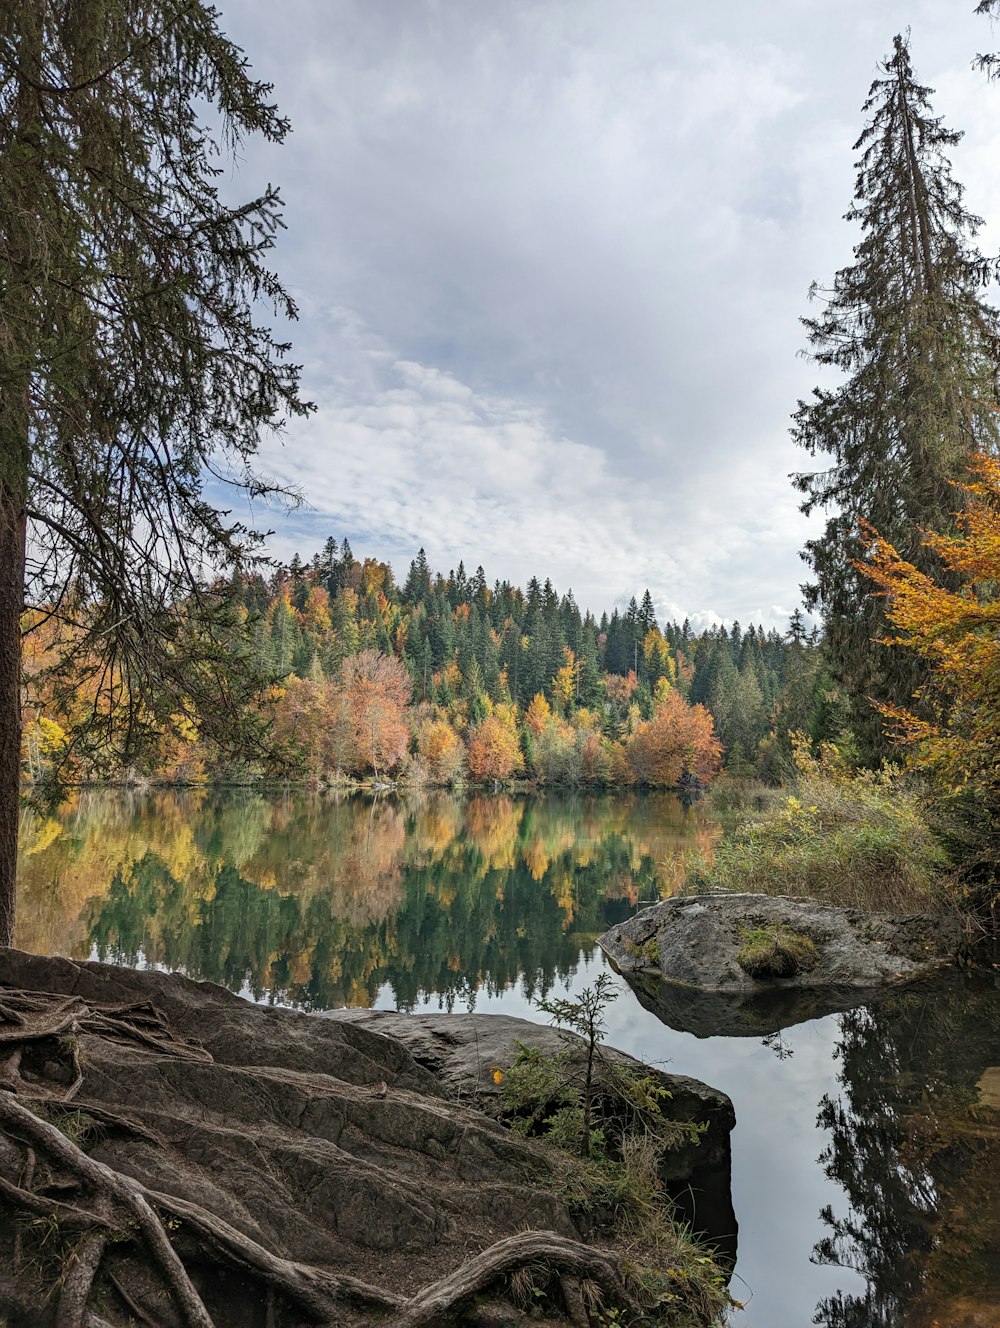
(680,957)
(462,1050)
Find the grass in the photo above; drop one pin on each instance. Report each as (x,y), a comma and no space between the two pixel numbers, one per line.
(774,952)
(859,838)
(741,795)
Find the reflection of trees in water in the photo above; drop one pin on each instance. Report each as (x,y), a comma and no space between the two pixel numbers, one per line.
(917,1156)
(322,901)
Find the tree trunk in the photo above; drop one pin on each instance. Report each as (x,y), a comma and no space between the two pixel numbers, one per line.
(19,339)
(12,534)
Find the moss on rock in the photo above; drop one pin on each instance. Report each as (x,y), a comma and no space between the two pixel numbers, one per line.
(774,952)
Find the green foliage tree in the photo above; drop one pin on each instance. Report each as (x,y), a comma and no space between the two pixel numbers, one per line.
(585,1016)
(132,365)
(907,326)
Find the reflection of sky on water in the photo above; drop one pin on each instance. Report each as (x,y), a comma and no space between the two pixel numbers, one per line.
(778,1189)
(319,902)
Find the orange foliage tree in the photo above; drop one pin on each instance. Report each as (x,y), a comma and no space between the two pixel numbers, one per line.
(441,750)
(377,691)
(538,715)
(308,727)
(679,742)
(957,631)
(494,751)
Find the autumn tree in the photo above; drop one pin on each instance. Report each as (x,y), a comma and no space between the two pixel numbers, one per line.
(310,730)
(132,366)
(441,750)
(952,623)
(907,326)
(493,749)
(677,744)
(538,715)
(377,691)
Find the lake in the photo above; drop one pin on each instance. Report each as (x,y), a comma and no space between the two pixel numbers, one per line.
(867,1144)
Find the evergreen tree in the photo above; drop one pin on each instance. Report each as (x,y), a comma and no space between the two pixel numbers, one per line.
(634,635)
(991,62)
(647,613)
(285,637)
(132,365)
(330,566)
(418,581)
(907,325)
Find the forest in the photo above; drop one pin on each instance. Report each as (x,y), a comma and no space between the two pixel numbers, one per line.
(146,637)
(446,679)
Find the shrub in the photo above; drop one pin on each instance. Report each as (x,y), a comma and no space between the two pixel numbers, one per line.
(852,837)
(612,1135)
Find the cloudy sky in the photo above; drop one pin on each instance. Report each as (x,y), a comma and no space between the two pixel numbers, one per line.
(551,256)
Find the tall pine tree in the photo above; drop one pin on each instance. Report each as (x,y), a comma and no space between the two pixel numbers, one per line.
(138,359)
(906,323)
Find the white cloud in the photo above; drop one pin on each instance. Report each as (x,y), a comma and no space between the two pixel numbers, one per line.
(569,254)
(402,455)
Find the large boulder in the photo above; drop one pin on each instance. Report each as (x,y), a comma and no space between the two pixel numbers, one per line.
(751,964)
(461,1051)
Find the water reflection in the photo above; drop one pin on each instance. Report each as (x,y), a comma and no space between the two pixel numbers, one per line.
(321,902)
(325,903)
(914,1141)
(911,1143)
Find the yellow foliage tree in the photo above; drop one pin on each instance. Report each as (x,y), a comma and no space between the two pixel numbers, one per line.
(656,653)
(564,684)
(494,751)
(957,631)
(441,749)
(538,714)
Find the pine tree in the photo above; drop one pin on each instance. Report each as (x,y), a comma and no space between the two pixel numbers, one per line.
(907,325)
(132,364)
(647,613)
(328,564)
(418,580)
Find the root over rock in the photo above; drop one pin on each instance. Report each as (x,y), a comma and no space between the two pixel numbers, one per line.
(172,1155)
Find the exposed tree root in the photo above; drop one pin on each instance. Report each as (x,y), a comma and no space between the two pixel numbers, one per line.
(20,1120)
(139,1022)
(67,1215)
(573,1296)
(100,1206)
(312,1289)
(136,1311)
(79,1280)
(440,1301)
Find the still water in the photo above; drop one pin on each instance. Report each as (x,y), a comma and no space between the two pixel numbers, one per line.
(867,1147)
